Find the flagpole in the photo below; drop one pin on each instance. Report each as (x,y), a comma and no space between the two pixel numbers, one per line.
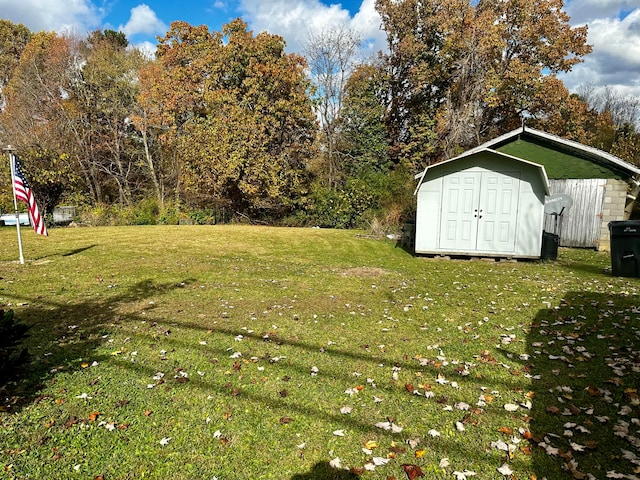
(12,165)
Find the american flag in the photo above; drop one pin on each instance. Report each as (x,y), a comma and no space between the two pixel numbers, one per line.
(24,194)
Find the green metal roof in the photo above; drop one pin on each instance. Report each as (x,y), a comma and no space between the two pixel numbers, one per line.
(557,163)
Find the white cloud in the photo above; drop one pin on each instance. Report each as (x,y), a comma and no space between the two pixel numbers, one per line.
(79,16)
(143,20)
(615,60)
(585,11)
(368,22)
(147,48)
(294,20)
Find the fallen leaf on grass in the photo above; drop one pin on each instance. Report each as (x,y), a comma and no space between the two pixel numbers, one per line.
(413,442)
(577,447)
(70,422)
(464,474)
(412,471)
(594,391)
(93,416)
(389,426)
(614,474)
(371,444)
(505,470)
(379,461)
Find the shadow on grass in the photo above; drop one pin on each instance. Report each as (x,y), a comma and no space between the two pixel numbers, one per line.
(587,354)
(78,250)
(324,471)
(585,351)
(67,253)
(61,333)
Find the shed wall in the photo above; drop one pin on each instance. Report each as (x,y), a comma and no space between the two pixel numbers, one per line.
(615,201)
(596,202)
(529,219)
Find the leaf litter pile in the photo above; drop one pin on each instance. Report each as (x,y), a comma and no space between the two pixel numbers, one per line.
(427,369)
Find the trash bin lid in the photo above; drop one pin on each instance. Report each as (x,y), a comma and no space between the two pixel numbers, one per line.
(625,227)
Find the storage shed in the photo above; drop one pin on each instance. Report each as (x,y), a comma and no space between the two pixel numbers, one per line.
(482,203)
(603,187)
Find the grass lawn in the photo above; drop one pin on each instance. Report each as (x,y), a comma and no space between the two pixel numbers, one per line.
(235,352)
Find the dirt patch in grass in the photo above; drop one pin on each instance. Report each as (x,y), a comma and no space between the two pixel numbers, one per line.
(364,272)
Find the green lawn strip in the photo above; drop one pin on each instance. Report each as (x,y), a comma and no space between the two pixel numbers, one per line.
(193,352)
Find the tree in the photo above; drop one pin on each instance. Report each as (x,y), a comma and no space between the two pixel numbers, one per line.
(101,99)
(13,40)
(242,121)
(36,91)
(623,112)
(32,119)
(331,55)
(363,139)
(624,109)
(473,70)
(535,43)
(155,130)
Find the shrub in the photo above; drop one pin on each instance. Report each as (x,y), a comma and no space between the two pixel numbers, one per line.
(170,214)
(203,217)
(146,212)
(350,206)
(12,354)
(99,215)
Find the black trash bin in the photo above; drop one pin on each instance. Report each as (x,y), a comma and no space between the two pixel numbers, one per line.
(625,247)
(550,243)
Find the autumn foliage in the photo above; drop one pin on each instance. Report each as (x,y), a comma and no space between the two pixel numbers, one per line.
(231,121)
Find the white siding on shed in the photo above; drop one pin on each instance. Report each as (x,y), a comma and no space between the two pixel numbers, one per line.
(485,204)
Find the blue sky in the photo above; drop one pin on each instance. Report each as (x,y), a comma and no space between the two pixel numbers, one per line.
(143,20)
(614,25)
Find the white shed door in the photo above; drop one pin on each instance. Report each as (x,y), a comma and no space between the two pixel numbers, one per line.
(458,220)
(479,211)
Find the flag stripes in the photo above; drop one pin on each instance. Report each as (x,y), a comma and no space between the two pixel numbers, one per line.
(24,194)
